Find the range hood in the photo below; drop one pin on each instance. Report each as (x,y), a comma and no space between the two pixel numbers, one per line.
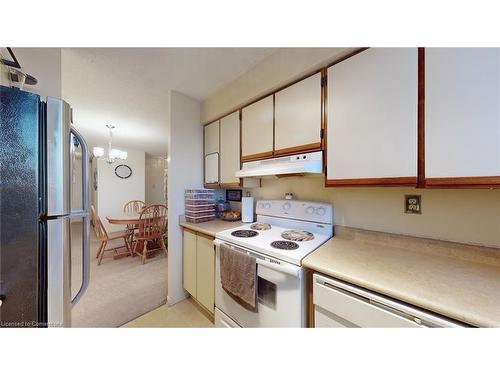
(296,164)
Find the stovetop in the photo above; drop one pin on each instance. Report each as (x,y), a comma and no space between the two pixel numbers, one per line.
(287,240)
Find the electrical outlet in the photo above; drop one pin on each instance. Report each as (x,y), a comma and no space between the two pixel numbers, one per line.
(413,204)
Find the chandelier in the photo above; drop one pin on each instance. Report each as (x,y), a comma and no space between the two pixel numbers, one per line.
(113,153)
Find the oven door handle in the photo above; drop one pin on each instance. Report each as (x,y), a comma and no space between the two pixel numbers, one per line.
(288,269)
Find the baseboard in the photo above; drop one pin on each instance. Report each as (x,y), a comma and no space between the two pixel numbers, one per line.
(173,301)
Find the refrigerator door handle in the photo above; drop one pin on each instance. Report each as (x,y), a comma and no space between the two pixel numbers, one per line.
(85,218)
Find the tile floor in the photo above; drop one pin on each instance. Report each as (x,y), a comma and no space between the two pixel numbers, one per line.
(184,314)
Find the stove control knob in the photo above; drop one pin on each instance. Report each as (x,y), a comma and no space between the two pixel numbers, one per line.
(310,210)
(287,206)
(261,205)
(320,211)
(267,205)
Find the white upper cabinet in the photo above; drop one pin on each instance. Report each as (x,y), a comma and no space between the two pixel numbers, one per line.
(372,118)
(297,114)
(257,128)
(230,148)
(212,168)
(462,112)
(212,153)
(212,138)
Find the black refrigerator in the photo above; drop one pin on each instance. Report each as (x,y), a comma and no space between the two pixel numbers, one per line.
(39,203)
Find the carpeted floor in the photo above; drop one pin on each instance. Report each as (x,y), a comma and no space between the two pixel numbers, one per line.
(119,290)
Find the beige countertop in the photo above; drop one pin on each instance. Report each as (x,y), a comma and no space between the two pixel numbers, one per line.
(456,280)
(210,227)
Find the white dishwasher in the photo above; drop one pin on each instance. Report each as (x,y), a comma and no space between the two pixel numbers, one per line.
(339,304)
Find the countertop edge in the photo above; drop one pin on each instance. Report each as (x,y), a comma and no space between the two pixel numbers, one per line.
(200,227)
(433,307)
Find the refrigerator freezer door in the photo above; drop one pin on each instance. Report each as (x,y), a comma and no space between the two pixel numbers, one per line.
(19,204)
(58,157)
(58,272)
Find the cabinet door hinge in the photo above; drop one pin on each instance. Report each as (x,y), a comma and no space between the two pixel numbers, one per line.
(321,133)
(323,81)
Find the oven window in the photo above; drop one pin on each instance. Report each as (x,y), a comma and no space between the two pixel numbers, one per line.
(266,293)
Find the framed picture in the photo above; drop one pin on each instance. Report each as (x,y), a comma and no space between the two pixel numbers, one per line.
(233,195)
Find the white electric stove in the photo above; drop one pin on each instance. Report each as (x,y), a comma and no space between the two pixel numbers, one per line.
(285,232)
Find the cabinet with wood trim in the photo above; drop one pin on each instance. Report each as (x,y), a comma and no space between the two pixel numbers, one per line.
(199,268)
(462,117)
(372,119)
(222,151)
(230,150)
(297,117)
(212,153)
(257,130)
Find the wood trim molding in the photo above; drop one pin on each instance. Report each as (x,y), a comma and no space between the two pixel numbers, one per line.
(254,157)
(298,149)
(274,124)
(353,53)
(371,182)
(324,118)
(189,230)
(230,185)
(207,236)
(483,182)
(211,186)
(309,298)
(421,119)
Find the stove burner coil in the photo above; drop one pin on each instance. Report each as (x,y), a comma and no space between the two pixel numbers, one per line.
(297,235)
(244,233)
(260,226)
(284,245)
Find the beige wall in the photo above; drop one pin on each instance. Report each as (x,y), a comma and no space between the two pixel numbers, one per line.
(471,216)
(284,66)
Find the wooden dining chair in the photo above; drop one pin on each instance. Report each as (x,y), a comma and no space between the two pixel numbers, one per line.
(103,236)
(152,229)
(133,208)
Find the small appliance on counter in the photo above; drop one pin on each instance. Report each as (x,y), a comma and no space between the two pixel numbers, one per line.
(221,206)
(247,209)
(199,205)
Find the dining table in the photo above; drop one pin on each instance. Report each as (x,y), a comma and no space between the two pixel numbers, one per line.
(129,219)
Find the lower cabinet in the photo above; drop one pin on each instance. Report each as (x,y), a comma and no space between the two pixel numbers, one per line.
(199,268)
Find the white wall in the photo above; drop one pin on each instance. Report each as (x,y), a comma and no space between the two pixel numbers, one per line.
(155,179)
(114,192)
(471,216)
(184,171)
(101,92)
(45,65)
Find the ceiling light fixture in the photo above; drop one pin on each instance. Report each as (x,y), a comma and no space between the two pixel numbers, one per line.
(113,153)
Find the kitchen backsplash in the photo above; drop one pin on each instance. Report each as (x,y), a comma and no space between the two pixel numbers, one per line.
(468,216)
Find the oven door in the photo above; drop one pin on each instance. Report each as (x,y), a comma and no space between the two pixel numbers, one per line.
(280,294)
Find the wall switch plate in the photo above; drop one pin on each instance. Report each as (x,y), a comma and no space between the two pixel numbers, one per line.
(413,204)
